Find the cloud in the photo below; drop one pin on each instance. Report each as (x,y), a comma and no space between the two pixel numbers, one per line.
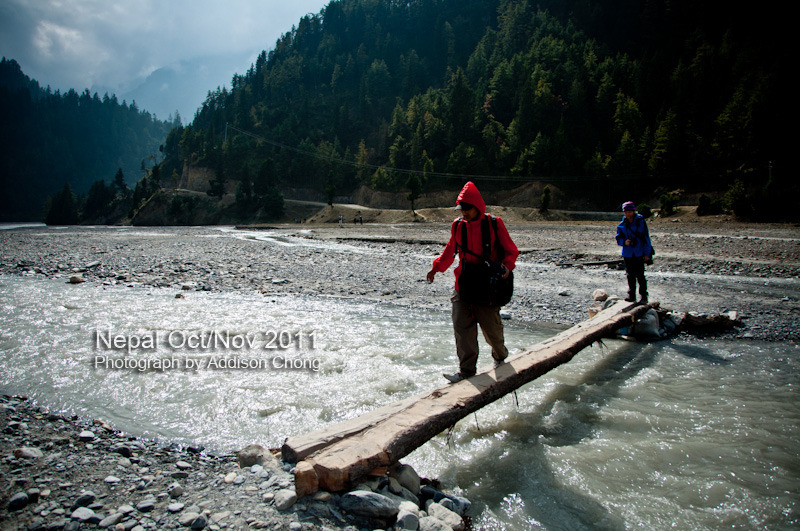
(90,43)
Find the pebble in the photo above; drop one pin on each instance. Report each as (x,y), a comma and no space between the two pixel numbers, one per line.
(187,519)
(81,489)
(692,274)
(85,499)
(220,516)
(18,501)
(284,499)
(28,453)
(175,491)
(111,520)
(84,514)
(223,264)
(175,507)
(145,506)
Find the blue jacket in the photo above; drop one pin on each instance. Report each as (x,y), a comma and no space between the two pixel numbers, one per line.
(637,232)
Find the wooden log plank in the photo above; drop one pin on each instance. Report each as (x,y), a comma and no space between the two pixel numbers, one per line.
(301,446)
(381,438)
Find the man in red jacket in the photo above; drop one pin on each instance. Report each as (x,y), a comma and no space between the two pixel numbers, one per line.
(467,316)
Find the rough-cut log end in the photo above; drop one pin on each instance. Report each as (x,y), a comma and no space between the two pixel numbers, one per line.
(333,479)
(336,469)
(305,479)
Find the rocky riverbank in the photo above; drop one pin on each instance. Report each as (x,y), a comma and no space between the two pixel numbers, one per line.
(709,267)
(60,472)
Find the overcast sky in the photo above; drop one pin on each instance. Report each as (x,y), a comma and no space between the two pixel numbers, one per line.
(114,45)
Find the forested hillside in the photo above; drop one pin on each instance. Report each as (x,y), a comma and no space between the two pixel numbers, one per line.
(599,97)
(49,139)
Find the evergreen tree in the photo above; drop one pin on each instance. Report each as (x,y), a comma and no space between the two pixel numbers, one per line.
(217,184)
(155,177)
(265,178)
(414,185)
(119,183)
(216,187)
(50,138)
(676,90)
(244,194)
(98,201)
(273,205)
(666,146)
(460,106)
(63,208)
(330,190)
(545,200)
(141,193)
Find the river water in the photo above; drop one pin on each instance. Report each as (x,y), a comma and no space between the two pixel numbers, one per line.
(684,434)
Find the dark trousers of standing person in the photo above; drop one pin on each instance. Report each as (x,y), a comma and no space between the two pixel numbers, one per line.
(466,318)
(634,270)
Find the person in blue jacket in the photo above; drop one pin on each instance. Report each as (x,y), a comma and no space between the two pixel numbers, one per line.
(634,238)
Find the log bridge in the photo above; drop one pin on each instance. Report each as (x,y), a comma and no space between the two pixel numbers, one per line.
(335,457)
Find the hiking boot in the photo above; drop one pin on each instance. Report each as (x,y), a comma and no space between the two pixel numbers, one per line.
(643,300)
(630,298)
(497,363)
(453,378)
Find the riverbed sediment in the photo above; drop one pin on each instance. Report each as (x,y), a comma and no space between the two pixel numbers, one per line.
(62,463)
(753,270)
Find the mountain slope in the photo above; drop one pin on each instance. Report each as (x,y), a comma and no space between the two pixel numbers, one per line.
(50,139)
(595,95)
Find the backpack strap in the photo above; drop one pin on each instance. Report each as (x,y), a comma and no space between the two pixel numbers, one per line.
(453,229)
(501,252)
(464,240)
(487,238)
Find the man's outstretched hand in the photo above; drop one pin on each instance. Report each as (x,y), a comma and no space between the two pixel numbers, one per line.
(430,275)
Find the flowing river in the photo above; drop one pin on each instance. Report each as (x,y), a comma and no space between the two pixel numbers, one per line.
(675,434)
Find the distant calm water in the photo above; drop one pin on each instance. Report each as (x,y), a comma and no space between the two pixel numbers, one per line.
(675,434)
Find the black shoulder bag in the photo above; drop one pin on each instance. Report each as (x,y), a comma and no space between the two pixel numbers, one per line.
(482,282)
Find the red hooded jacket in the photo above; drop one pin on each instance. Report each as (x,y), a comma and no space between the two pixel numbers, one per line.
(470,194)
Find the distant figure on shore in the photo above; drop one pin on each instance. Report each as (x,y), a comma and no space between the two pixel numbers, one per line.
(637,250)
(477,238)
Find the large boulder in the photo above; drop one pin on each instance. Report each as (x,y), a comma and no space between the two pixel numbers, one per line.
(371,506)
(407,477)
(599,295)
(647,326)
(440,512)
(255,454)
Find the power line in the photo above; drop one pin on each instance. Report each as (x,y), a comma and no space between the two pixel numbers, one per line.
(444,175)
(373,166)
